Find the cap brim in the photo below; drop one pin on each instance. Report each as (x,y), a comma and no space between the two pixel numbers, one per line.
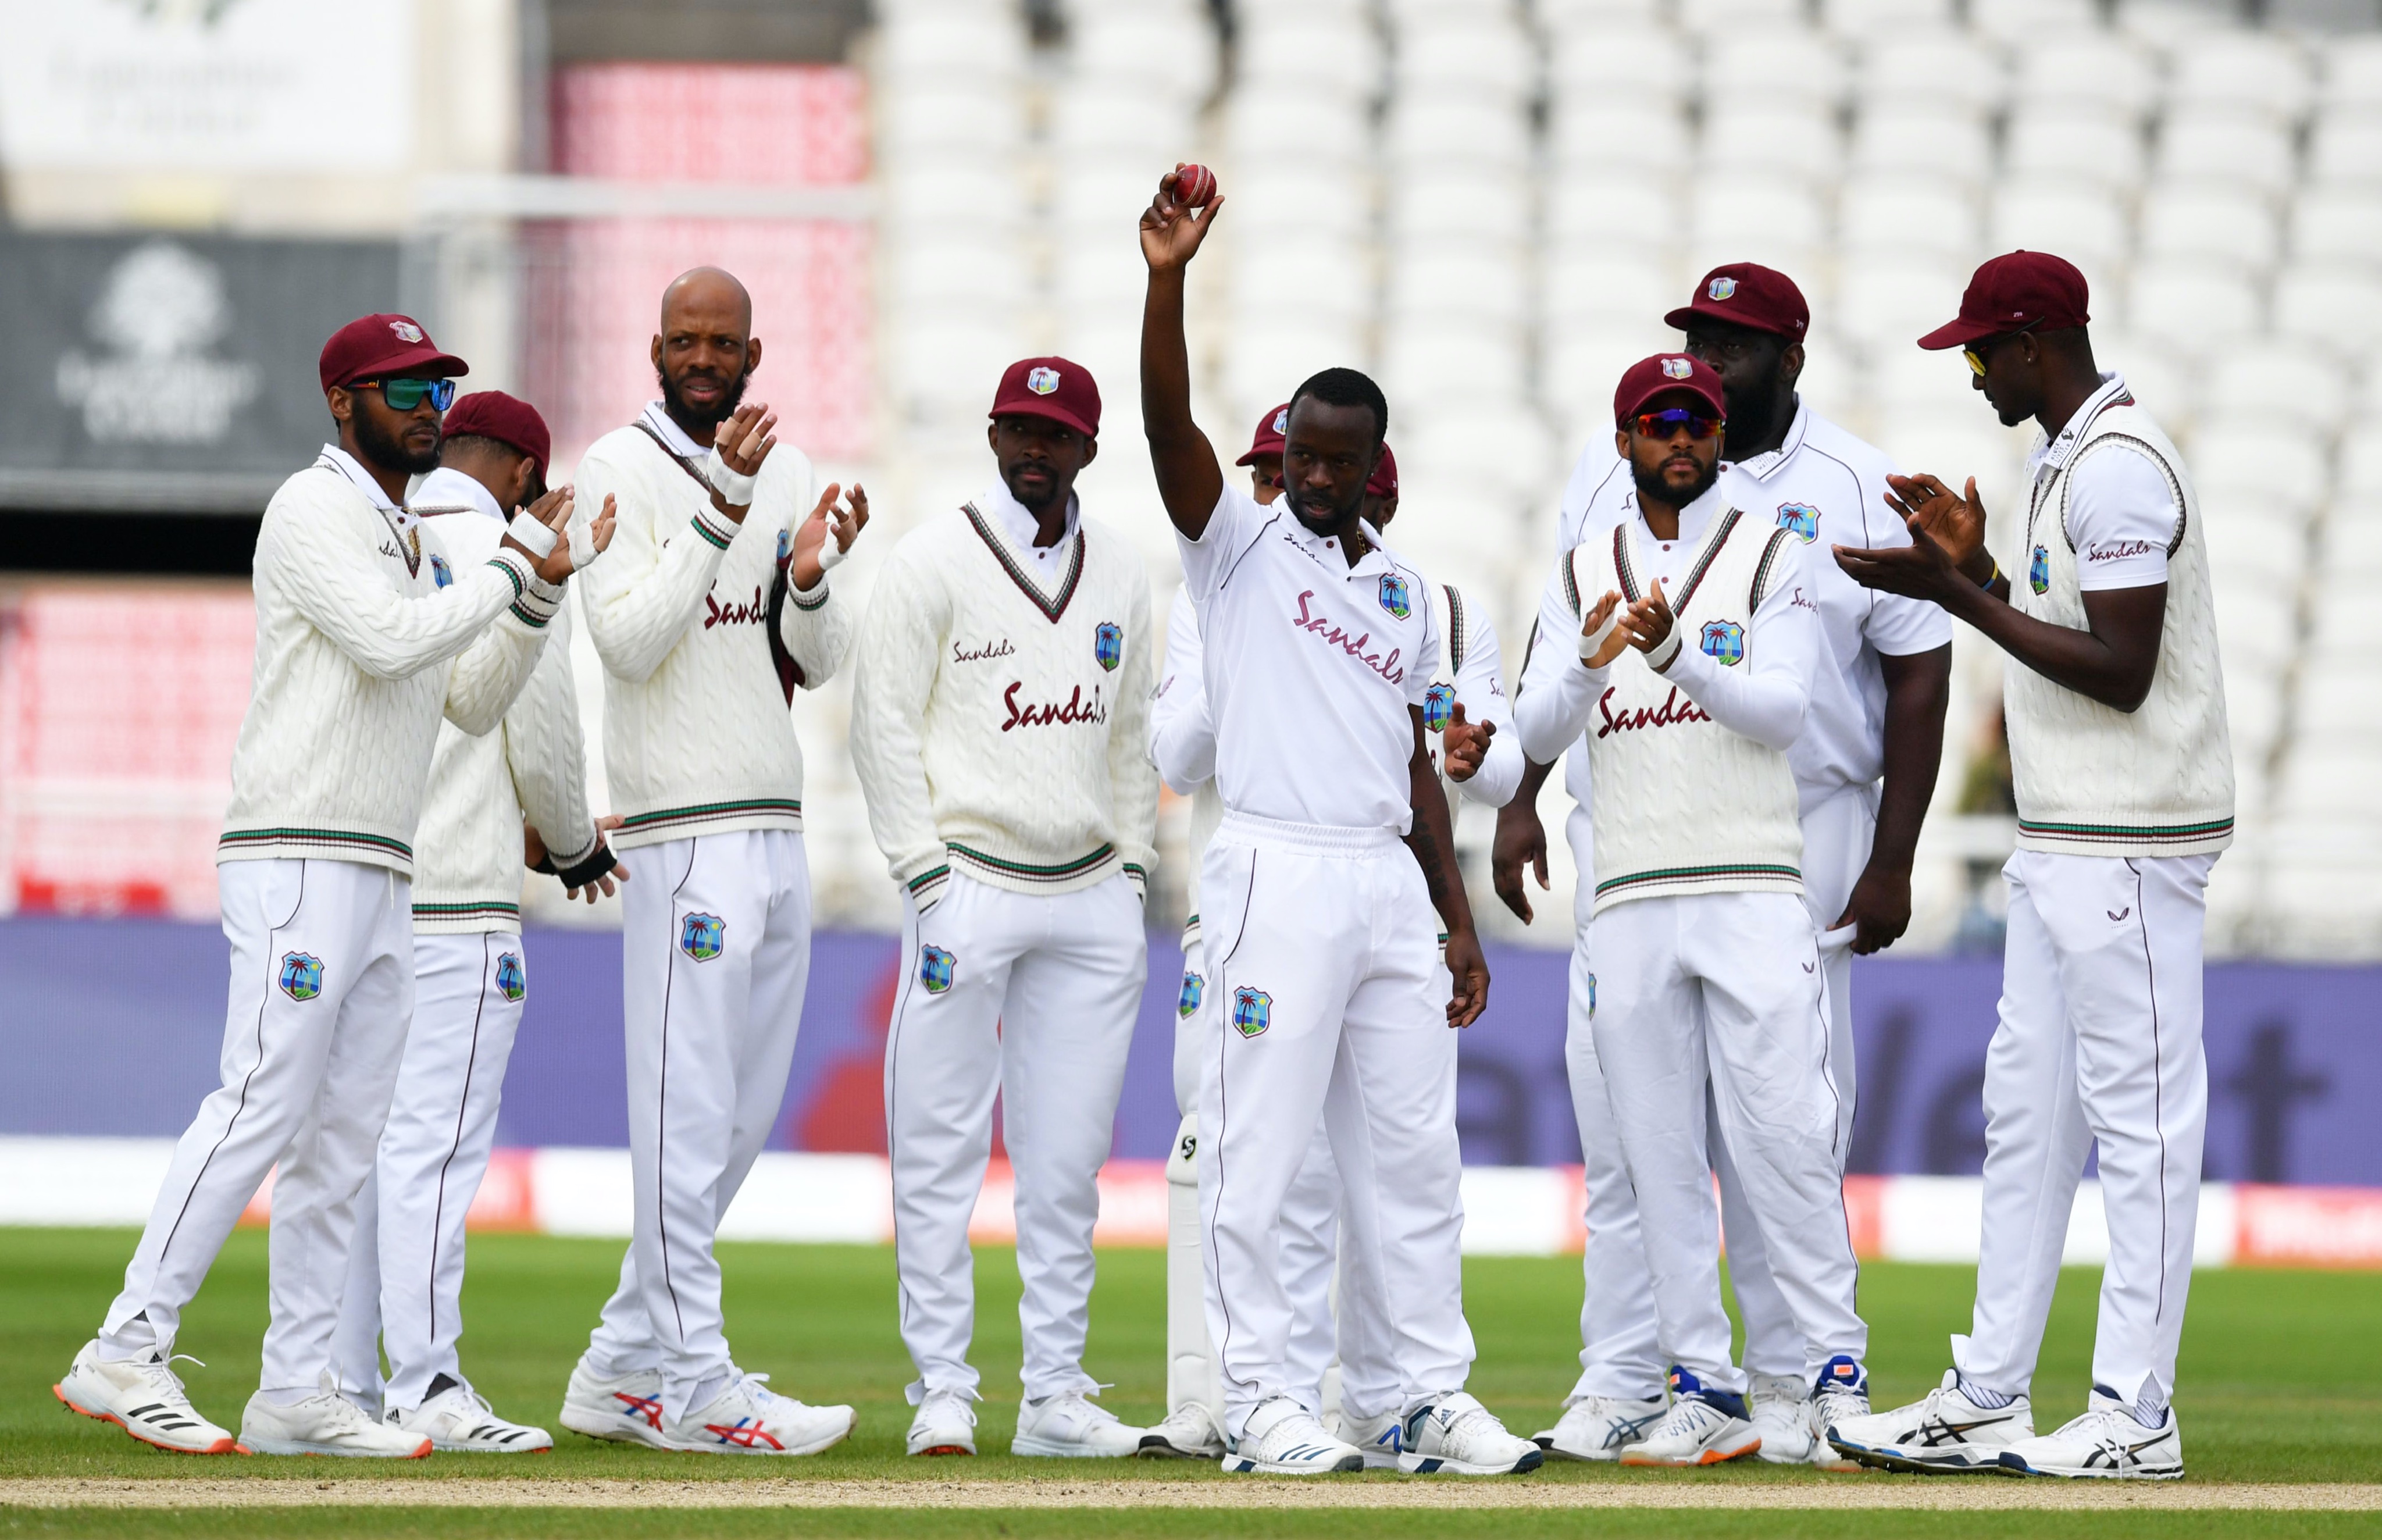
(1956,334)
(1675,387)
(1261,447)
(423,363)
(1679,319)
(1047,409)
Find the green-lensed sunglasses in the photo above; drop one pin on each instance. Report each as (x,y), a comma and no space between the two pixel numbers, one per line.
(404,394)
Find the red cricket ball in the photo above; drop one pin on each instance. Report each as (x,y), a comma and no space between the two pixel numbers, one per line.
(1195,186)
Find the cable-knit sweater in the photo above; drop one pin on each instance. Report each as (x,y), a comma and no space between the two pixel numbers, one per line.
(359,650)
(697,738)
(467,864)
(999,711)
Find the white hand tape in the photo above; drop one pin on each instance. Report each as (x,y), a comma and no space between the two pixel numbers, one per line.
(583,545)
(535,537)
(1591,642)
(734,486)
(1660,658)
(830,554)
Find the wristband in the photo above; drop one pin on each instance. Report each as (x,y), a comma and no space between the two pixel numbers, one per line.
(830,554)
(734,488)
(1996,575)
(597,862)
(583,545)
(1590,643)
(537,538)
(1660,658)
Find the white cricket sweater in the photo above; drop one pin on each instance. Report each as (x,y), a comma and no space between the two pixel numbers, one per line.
(1472,672)
(999,703)
(1691,791)
(467,866)
(697,736)
(358,651)
(2091,780)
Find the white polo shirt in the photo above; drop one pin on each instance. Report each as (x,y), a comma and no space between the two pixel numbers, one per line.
(1830,488)
(1312,668)
(2123,518)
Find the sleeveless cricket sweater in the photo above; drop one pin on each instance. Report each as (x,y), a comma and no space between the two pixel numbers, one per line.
(1680,804)
(2091,780)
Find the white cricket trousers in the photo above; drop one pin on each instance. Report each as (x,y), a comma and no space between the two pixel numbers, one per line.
(2099,1041)
(1033,997)
(715,956)
(1325,972)
(405,1270)
(1310,1245)
(1709,1022)
(322,985)
(1619,1355)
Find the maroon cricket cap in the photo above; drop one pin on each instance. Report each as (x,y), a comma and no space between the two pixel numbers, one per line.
(1384,482)
(507,419)
(2013,292)
(1747,294)
(381,346)
(1271,430)
(1052,387)
(1666,374)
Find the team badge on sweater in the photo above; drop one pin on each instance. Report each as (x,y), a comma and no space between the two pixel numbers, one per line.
(703,937)
(2038,571)
(1801,517)
(935,966)
(1438,707)
(1252,1012)
(1108,645)
(1186,1004)
(1394,596)
(441,573)
(1724,642)
(512,982)
(301,976)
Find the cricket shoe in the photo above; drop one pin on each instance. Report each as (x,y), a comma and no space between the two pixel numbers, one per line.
(1282,1438)
(325,1423)
(1382,1439)
(945,1423)
(1781,1408)
(748,1418)
(1839,1393)
(2106,1443)
(1945,1434)
(1599,1427)
(1703,1427)
(625,1408)
(456,1419)
(1456,1436)
(1188,1432)
(1072,1427)
(144,1398)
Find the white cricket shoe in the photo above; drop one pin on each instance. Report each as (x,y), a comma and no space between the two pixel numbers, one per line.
(2106,1443)
(1945,1434)
(1782,1415)
(1597,1427)
(1380,1437)
(325,1423)
(1839,1393)
(1072,1427)
(1703,1427)
(625,1408)
(1456,1436)
(945,1425)
(1282,1438)
(144,1398)
(1188,1432)
(750,1418)
(457,1419)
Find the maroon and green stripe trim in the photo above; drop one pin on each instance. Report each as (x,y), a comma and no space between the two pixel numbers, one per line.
(1051,608)
(709,812)
(1734,871)
(1025,872)
(241,839)
(490,911)
(2126,833)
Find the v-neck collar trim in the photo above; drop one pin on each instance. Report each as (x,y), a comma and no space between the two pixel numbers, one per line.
(1625,562)
(405,526)
(1052,607)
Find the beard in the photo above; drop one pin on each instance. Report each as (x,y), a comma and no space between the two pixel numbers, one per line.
(1651,485)
(685,412)
(387,448)
(1318,515)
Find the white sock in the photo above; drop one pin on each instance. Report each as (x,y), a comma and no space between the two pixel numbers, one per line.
(1979,1397)
(2150,1407)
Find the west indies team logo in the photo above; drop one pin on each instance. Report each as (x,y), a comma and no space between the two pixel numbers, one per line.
(1042,380)
(1722,288)
(935,966)
(1186,1004)
(1680,368)
(2038,571)
(1725,642)
(1439,707)
(1394,596)
(512,982)
(1108,645)
(785,546)
(1591,996)
(1252,1012)
(440,574)
(301,976)
(1801,517)
(702,937)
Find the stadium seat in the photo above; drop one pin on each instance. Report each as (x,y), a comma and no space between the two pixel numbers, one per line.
(1860,21)
(1586,212)
(919,199)
(2248,148)
(1712,19)
(2332,304)
(2345,149)
(2191,307)
(1323,277)
(1884,214)
(1279,200)
(1457,133)
(1464,281)
(1280,127)
(1949,71)
(2335,224)
(1478,208)
(1103,202)
(1600,57)
(1885,301)
(2168,387)
(2353,75)
(2055,213)
(2076,142)
(982,118)
(1308,51)
(2095,69)
(1739,217)
(1589,283)
(2209,222)
(1588,132)
(2259,379)
(1767,63)
(1160,52)
(1095,118)
(964,44)
(2017,21)
(1786,137)
(2237,461)
(1918,139)
(1485,62)
(2257,70)
(1442,364)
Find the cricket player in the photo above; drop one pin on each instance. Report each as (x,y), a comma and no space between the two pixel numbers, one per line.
(715,606)
(1316,927)
(1864,768)
(405,1270)
(1707,1013)
(367,631)
(1183,744)
(2124,772)
(999,697)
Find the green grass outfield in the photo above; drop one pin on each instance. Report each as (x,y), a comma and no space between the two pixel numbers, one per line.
(2282,1383)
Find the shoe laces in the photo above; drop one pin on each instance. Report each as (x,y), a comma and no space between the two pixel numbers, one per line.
(159,1372)
(1689,1414)
(955,1403)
